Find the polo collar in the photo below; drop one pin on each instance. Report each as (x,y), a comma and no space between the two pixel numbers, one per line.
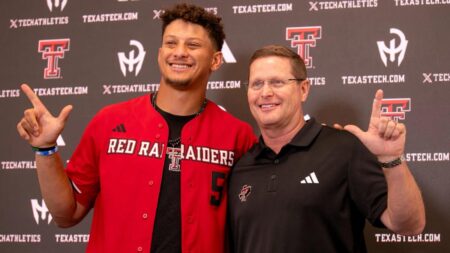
(303,138)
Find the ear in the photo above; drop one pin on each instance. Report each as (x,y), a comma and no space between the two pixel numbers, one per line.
(217,61)
(304,87)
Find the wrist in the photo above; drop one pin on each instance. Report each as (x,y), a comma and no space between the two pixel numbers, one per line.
(389,162)
(45,151)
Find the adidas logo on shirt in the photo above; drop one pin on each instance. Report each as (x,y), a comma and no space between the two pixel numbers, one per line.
(311,179)
(119,128)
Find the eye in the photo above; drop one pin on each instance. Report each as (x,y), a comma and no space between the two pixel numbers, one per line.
(194,45)
(170,43)
(257,84)
(276,83)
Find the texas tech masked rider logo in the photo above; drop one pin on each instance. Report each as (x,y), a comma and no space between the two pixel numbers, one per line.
(303,38)
(56,4)
(40,211)
(395,108)
(52,51)
(134,63)
(393,48)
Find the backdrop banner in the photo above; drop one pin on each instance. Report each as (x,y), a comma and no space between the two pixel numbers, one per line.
(94,53)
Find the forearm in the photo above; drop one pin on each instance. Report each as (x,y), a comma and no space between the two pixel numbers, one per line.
(405,213)
(56,189)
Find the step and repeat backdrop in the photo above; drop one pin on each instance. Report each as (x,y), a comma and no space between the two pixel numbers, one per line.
(94,53)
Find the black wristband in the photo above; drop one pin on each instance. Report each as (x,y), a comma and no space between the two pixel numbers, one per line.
(42,149)
(391,164)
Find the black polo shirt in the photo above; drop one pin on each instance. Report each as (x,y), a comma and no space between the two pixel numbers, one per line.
(314,196)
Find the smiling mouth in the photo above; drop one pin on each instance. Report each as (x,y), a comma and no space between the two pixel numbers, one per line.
(180,66)
(267,106)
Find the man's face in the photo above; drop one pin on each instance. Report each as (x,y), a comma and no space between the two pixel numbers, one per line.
(272,107)
(187,55)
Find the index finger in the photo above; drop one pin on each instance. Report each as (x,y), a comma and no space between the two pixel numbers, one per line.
(376,106)
(34,99)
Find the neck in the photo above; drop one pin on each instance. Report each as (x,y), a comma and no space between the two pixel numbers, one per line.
(180,102)
(276,138)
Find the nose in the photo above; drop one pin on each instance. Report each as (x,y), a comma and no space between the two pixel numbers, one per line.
(180,51)
(266,90)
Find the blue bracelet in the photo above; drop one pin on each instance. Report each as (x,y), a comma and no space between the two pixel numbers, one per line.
(45,151)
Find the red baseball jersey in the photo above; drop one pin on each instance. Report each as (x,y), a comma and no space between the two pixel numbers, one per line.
(118,165)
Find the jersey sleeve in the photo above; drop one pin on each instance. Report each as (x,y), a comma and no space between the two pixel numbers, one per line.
(82,169)
(368,187)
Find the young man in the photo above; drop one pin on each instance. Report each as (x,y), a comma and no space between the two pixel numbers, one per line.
(309,188)
(158,186)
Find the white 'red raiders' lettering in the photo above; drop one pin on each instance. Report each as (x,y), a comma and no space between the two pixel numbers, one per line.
(208,155)
(156,150)
(121,146)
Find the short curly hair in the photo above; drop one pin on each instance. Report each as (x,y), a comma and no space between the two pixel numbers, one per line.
(197,15)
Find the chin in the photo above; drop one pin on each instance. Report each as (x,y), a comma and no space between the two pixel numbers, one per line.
(178,83)
(267,123)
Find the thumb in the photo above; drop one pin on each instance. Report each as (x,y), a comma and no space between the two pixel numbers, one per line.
(64,114)
(355,130)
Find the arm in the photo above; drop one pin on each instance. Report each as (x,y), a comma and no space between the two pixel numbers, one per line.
(41,129)
(405,212)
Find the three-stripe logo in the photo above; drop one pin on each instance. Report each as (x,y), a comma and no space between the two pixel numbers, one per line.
(311,179)
(119,128)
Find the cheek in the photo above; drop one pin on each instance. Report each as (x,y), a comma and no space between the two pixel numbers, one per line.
(251,98)
(160,58)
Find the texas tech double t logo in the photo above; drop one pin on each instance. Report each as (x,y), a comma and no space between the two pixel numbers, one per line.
(303,38)
(52,51)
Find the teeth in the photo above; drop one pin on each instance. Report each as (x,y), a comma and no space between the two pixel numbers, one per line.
(180,66)
(267,106)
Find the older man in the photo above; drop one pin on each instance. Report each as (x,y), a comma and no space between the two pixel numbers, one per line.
(309,188)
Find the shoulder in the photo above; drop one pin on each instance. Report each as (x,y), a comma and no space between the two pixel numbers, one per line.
(111,114)
(218,114)
(249,158)
(341,137)
(344,144)
(125,107)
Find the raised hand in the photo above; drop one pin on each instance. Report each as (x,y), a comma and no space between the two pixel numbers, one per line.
(38,126)
(384,137)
